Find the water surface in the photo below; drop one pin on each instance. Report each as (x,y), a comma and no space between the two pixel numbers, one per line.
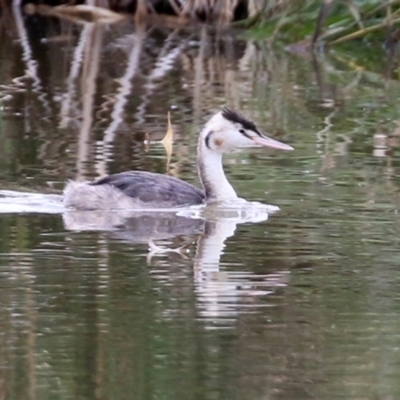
(302,305)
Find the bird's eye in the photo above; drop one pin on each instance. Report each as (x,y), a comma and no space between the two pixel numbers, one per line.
(242,131)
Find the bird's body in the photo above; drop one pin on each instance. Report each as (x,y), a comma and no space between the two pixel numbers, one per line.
(132,190)
(223,133)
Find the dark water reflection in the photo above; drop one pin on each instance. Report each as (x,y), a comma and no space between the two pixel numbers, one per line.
(303,305)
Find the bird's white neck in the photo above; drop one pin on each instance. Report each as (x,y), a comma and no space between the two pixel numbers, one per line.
(212,176)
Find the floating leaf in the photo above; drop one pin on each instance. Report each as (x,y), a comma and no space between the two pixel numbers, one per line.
(168,140)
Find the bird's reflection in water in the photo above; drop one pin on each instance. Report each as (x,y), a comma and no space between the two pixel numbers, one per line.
(221,292)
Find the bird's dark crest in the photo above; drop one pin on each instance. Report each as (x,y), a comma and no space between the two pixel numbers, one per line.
(238,118)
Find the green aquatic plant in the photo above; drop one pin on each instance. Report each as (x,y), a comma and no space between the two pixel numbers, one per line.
(329,21)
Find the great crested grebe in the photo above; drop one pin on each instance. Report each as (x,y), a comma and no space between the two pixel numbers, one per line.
(223,133)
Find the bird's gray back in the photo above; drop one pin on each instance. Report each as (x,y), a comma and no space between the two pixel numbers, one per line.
(150,187)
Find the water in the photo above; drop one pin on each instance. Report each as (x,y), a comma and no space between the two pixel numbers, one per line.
(302,304)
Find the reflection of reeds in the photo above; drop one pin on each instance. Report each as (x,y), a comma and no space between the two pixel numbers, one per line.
(120,100)
(165,62)
(31,67)
(117,87)
(74,70)
(91,63)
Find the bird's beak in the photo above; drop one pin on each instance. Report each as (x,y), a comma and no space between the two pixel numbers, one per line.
(268,142)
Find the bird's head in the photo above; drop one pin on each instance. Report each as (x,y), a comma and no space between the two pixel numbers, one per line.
(228,130)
